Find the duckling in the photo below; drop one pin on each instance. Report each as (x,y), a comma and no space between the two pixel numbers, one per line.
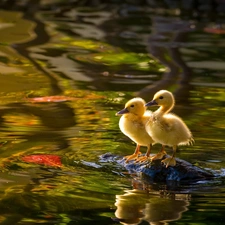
(132,124)
(166,128)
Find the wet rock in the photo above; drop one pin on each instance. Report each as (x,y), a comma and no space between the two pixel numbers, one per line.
(156,172)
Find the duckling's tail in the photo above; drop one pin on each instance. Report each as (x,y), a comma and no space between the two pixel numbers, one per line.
(190,141)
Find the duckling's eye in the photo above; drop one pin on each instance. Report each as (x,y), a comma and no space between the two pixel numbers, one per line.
(161,97)
(132,106)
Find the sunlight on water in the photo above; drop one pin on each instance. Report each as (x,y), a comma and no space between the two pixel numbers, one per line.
(65,72)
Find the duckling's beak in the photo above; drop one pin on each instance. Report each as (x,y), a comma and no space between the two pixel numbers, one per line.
(153,102)
(123,111)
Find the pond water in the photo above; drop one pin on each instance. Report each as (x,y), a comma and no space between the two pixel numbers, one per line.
(66,69)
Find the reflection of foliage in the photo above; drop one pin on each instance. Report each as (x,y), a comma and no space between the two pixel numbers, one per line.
(22,122)
(140,62)
(86,126)
(56,191)
(111,56)
(44,207)
(90,45)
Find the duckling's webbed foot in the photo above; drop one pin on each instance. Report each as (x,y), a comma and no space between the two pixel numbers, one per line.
(131,157)
(146,156)
(159,155)
(170,161)
(142,159)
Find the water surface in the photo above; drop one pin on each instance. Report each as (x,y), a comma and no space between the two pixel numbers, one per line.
(65,71)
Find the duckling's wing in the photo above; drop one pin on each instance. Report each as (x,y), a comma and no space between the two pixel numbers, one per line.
(168,122)
(173,122)
(177,126)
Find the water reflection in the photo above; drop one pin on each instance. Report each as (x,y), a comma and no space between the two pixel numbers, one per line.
(52,115)
(46,196)
(154,207)
(64,48)
(167,37)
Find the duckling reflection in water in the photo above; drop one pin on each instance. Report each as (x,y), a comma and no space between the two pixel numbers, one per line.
(166,128)
(132,124)
(150,207)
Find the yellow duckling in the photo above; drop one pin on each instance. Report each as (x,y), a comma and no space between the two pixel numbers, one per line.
(132,124)
(166,128)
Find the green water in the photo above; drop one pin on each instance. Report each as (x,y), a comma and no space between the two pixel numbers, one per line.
(64,75)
